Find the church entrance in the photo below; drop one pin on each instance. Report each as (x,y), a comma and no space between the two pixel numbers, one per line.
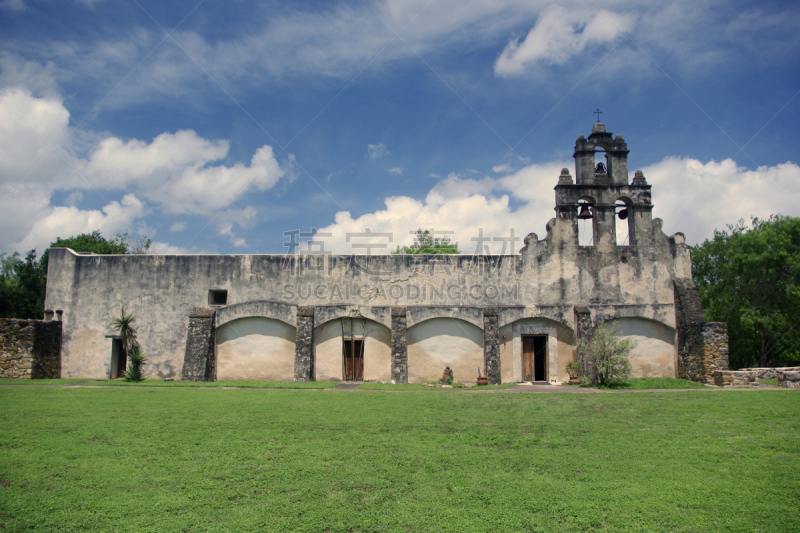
(534,357)
(353,359)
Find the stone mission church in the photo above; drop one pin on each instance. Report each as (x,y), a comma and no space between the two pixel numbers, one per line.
(406,317)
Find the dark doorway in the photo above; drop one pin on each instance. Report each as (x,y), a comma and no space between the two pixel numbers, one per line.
(534,357)
(353,359)
(119,360)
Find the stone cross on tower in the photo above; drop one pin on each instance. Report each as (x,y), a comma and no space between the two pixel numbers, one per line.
(598,113)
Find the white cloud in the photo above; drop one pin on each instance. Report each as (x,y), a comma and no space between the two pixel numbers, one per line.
(244,218)
(696,198)
(60,221)
(559,34)
(374,151)
(167,249)
(178,226)
(27,75)
(340,40)
(395,170)
(692,197)
(502,169)
(30,128)
(175,172)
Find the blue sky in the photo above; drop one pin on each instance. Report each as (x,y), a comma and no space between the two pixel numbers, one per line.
(216,127)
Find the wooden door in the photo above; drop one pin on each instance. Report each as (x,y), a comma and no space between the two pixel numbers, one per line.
(353,360)
(527,358)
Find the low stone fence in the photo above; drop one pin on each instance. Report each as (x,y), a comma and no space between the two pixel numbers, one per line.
(735,378)
(789,379)
(772,373)
(30,349)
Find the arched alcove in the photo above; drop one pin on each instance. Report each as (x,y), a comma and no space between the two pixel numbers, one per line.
(329,349)
(655,354)
(255,348)
(439,342)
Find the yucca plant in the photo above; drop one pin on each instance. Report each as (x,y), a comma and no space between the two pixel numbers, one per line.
(127,333)
(137,360)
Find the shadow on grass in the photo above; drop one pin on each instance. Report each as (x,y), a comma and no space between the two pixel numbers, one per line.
(650,383)
(431,387)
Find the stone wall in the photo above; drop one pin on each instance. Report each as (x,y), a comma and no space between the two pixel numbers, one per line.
(30,349)
(772,373)
(703,352)
(735,378)
(790,380)
(702,346)
(199,362)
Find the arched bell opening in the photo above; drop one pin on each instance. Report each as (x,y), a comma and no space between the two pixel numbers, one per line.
(623,221)
(586,220)
(601,169)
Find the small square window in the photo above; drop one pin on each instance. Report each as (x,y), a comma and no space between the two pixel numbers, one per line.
(217,297)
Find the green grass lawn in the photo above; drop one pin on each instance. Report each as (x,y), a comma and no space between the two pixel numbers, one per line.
(769,381)
(245,384)
(182,459)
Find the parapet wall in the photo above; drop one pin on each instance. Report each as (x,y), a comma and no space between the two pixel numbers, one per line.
(30,349)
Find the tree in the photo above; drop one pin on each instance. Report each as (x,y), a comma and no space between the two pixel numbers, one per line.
(606,359)
(22,286)
(749,277)
(91,242)
(426,243)
(23,282)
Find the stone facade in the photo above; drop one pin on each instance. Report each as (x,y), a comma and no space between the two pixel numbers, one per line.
(417,313)
(735,378)
(30,349)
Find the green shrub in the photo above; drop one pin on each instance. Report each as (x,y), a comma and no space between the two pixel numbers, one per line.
(605,360)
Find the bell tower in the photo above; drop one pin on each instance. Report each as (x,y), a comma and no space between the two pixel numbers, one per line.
(602,194)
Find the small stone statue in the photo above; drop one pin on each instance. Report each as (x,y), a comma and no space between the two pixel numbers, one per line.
(448,373)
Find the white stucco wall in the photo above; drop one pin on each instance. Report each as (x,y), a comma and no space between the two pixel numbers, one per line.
(328,349)
(255,348)
(440,342)
(655,354)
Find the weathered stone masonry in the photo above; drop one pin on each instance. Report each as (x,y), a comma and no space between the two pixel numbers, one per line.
(399,346)
(702,346)
(30,349)
(304,345)
(199,359)
(491,345)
